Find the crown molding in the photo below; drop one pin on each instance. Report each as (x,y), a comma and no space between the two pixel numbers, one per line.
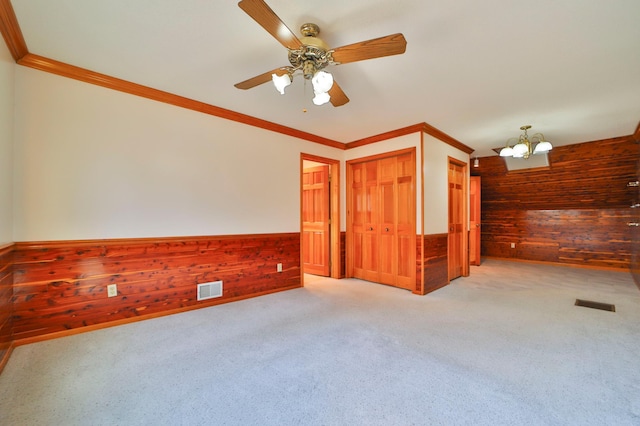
(11,31)
(52,66)
(439,134)
(384,136)
(70,71)
(14,39)
(420,127)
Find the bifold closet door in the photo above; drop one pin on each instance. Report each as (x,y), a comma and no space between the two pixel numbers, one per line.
(387,225)
(406,221)
(382,214)
(364,245)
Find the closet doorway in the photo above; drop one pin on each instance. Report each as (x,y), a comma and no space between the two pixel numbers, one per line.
(381,218)
(319,216)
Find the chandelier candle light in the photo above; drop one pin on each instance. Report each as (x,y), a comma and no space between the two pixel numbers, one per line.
(523,147)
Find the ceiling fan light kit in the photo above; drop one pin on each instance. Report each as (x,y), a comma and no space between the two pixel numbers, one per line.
(523,146)
(310,55)
(281,81)
(322,82)
(321,98)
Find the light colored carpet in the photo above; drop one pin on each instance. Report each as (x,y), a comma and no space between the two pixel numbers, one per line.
(503,346)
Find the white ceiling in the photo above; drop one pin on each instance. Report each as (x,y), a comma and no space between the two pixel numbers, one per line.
(476,70)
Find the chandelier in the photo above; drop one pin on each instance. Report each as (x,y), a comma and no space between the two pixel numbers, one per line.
(523,147)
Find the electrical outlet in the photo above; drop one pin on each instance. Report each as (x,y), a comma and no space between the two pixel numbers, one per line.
(112,290)
(513,245)
(279,267)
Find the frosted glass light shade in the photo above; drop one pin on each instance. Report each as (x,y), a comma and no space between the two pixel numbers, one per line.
(542,147)
(506,152)
(520,149)
(322,82)
(281,81)
(321,98)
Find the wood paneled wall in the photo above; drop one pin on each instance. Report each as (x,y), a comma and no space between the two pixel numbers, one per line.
(6,306)
(635,231)
(575,212)
(434,260)
(61,286)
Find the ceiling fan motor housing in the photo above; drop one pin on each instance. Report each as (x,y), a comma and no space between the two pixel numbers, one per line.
(313,55)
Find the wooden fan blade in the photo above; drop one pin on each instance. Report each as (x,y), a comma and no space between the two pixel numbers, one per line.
(338,97)
(393,44)
(259,79)
(263,15)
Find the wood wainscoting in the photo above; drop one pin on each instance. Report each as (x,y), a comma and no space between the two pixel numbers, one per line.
(435,265)
(60,287)
(6,305)
(635,230)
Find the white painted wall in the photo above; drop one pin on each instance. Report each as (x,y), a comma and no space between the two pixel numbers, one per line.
(90,162)
(96,163)
(7,76)
(436,192)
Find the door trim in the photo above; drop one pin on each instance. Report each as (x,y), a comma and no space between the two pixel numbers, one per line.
(334,213)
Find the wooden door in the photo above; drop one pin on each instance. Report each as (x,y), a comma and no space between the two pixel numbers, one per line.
(356,208)
(381,235)
(474,220)
(406,221)
(456,220)
(371,232)
(387,220)
(315,220)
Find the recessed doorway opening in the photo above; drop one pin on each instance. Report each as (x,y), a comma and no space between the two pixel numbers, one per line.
(320,248)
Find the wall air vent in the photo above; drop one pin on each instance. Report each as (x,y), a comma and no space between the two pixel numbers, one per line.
(209,290)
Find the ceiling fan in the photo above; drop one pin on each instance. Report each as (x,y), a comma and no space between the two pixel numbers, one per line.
(310,55)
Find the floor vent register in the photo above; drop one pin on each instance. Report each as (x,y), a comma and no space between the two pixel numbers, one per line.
(596,305)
